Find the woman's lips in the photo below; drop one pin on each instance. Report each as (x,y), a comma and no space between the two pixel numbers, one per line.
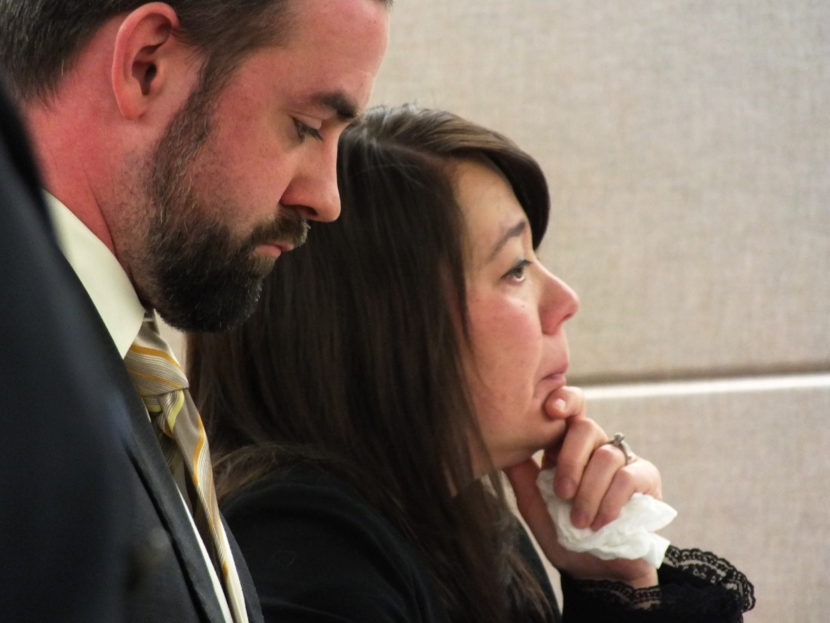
(557,379)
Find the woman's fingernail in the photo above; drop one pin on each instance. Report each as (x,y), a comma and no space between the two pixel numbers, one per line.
(598,523)
(560,406)
(579,519)
(565,488)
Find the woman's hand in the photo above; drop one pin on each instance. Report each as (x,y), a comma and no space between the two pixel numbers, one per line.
(593,474)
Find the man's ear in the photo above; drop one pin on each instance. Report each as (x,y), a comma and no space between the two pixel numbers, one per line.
(141,59)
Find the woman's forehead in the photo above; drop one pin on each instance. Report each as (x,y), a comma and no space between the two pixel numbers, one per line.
(492,213)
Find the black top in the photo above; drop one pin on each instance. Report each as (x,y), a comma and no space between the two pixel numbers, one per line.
(319,552)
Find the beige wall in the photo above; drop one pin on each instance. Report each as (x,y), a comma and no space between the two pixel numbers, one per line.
(688,148)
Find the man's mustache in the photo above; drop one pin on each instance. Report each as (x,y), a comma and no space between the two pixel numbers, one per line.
(289,227)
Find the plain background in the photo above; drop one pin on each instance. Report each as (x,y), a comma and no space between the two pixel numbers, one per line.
(687,146)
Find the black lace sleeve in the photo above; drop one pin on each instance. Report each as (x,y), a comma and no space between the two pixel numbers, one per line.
(695,586)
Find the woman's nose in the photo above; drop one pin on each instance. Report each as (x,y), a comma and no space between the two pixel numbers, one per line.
(559,303)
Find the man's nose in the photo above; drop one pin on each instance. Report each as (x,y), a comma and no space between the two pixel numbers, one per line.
(313,191)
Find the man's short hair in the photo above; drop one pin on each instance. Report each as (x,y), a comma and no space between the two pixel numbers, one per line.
(41,39)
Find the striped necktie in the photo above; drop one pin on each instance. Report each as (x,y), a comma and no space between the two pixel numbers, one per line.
(161,382)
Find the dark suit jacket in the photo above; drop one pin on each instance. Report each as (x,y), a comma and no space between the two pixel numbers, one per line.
(63,512)
(92,527)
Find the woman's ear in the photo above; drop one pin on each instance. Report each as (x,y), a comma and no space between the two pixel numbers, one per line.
(142,58)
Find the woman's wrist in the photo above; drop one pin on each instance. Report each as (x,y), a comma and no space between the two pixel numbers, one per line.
(645,581)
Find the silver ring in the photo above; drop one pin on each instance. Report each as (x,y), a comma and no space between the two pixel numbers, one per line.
(619,442)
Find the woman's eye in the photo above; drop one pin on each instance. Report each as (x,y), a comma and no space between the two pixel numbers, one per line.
(517,273)
(304,131)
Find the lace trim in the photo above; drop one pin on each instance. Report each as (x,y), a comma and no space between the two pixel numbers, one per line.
(621,594)
(692,582)
(708,567)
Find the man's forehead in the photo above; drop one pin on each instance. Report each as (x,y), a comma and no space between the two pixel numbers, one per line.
(334,54)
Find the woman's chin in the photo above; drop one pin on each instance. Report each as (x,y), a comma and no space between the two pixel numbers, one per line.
(516,458)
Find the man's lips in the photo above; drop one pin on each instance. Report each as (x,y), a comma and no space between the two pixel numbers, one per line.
(274,249)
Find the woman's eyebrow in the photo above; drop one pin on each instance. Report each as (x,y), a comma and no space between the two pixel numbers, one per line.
(517,230)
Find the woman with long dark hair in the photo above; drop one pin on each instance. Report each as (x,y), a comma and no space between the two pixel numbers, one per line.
(396,363)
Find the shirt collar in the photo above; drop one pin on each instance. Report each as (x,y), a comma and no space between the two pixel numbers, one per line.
(102,276)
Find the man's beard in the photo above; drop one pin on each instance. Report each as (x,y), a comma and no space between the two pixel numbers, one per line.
(203,278)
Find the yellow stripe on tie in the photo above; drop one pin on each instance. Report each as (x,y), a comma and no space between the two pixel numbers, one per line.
(153,352)
(155,378)
(174,410)
(195,458)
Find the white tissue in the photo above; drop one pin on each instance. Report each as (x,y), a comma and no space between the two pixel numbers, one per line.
(631,535)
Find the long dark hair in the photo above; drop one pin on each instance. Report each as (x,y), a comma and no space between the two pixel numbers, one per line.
(353,356)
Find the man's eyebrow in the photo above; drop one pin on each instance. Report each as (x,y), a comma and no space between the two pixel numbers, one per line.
(512,232)
(339,102)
